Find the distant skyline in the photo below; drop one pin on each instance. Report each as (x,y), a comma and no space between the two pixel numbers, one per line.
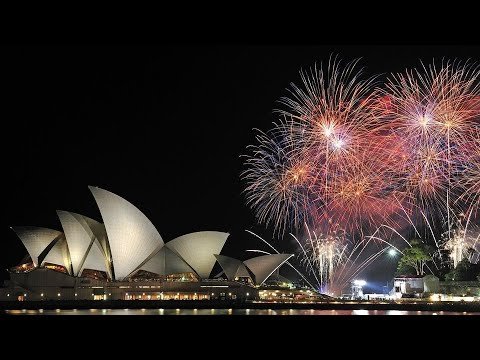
(163,126)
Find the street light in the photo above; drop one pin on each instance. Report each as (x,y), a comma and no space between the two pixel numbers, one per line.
(392,252)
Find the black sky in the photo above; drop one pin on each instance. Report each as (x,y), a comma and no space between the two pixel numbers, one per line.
(162,126)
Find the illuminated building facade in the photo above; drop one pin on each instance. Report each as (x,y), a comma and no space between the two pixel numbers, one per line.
(125,258)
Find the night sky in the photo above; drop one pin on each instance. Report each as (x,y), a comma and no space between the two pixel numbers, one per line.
(161,126)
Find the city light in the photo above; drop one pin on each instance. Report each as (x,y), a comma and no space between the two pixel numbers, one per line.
(392,252)
(359,282)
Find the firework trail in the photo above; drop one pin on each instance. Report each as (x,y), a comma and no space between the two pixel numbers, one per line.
(278,179)
(336,259)
(314,165)
(435,109)
(333,261)
(375,162)
(332,115)
(324,253)
(470,179)
(462,240)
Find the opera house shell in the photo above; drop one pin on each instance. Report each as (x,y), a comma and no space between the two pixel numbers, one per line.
(126,258)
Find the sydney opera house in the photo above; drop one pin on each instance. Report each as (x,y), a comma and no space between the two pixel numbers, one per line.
(125,258)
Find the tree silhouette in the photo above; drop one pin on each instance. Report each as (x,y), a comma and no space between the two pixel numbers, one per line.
(414,258)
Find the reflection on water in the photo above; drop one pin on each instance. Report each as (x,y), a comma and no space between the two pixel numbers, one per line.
(228,312)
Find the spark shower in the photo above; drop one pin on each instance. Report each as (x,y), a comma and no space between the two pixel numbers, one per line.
(349,154)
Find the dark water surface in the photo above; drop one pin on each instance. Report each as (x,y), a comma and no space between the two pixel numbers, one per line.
(227,312)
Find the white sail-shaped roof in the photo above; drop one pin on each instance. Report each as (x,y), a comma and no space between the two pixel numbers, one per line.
(100,242)
(95,259)
(232,267)
(101,235)
(242,271)
(166,262)
(59,255)
(79,237)
(263,266)
(36,239)
(198,249)
(131,235)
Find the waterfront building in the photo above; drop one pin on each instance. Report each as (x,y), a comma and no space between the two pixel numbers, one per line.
(429,287)
(125,258)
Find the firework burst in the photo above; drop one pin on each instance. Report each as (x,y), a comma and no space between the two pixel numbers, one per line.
(324,253)
(349,156)
(363,191)
(334,260)
(278,179)
(462,240)
(470,179)
(435,111)
(317,153)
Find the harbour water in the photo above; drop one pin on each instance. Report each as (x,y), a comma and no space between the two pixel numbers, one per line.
(227,312)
